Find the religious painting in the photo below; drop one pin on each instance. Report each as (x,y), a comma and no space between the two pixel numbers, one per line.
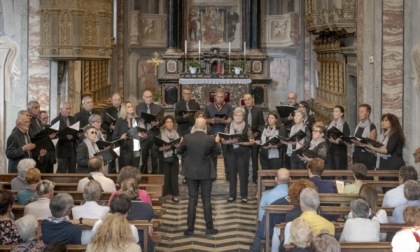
(214,24)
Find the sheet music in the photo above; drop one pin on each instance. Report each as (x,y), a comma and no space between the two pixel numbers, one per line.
(56,126)
(117,151)
(76,126)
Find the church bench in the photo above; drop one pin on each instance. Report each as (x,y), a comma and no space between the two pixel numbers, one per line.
(140,224)
(325,210)
(75,177)
(18,210)
(360,247)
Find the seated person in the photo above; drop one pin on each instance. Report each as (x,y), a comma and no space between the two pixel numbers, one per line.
(41,208)
(412,216)
(96,167)
(292,199)
(359,174)
(114,233)
(57,227)
(138,210)
(395,197)
(30,231)
(55,247)
(412,194)
(19,183)
(369,194)
(315,169)
(325,242)
(131,172)
(90,209)
(279,191)
(301,234)
(360,228)
(406,240)
(8,231)
(28,195)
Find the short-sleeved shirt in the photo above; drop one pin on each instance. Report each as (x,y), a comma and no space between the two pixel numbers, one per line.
(211,112)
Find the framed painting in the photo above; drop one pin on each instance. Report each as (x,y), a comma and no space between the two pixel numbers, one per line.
(214,24)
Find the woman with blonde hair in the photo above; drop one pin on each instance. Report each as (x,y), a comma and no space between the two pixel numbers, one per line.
(114,233)
(28,195)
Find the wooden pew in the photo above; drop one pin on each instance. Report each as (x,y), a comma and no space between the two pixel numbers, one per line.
(373,176)
(326,210)
(140,224)
(360,247)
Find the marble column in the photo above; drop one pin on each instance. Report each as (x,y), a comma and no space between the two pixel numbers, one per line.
(248,20)
(172,26)
(180,25)
(255,24)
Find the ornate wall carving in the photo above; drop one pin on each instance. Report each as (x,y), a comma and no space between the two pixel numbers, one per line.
(147,30)
(76,29)
(280,30)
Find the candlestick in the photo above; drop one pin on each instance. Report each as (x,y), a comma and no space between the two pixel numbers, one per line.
(199,47)
(186,48)
(229,48)
(244,56)
(199,55)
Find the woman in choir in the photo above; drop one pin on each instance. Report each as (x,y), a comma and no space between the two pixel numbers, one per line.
(95,120)
(337,154)
(299,119)
(389,156)
(168,160)
(310,119)
(318,143)
(129,148)
(200,114)
(86,149)
(238,153)
(364,129)
(270,156)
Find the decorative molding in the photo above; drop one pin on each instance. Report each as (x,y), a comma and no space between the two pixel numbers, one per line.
(281,30)
(76,29)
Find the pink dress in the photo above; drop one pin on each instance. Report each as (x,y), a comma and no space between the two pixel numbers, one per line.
(143,196)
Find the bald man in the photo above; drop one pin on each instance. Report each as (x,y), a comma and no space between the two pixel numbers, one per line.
(199,150)
(255,118)
(278,192)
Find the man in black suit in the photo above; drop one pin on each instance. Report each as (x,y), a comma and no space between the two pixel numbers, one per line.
(199,150)
(291,101)
(149,107)
(111,115)
(35,124)
(19,145)
(66,145)
(86,112)
(255,118)
(185,120)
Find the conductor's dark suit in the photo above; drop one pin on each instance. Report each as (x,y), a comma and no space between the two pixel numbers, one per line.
(147,144)
(65,148)
(199,150)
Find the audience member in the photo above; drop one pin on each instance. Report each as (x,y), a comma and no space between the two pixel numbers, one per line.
(131,172)
(138,210)
(8,232)
(412,216)
(395,197)
(90,209)
(301,234)
(325,242)
(55,247)
(28,195)
(315,169)
(30,233)
(19,183)
(359,173)
(41,207)
(416,164)
(412,195)
(360,228)
(114,233)
(56,227)
(279,191)
(96,167)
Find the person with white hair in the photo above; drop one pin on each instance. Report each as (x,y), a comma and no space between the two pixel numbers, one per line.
(41,207)
(85,112)
(19,183)
(30,233)
(412,194)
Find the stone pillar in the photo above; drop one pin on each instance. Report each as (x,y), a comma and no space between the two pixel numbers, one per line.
(248,20)
(255,24)
(172,26)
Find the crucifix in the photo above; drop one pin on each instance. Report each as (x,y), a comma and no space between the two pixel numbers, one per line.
(155,61)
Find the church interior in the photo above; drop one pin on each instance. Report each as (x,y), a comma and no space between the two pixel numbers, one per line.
(329,52)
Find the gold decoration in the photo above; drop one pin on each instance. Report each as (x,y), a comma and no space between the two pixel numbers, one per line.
(156,61)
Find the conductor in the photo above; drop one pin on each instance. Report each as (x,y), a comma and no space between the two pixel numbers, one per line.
(199,150)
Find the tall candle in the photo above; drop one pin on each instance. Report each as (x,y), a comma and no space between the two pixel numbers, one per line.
(244,49)
(186,48)
(199,47)
(229,47)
